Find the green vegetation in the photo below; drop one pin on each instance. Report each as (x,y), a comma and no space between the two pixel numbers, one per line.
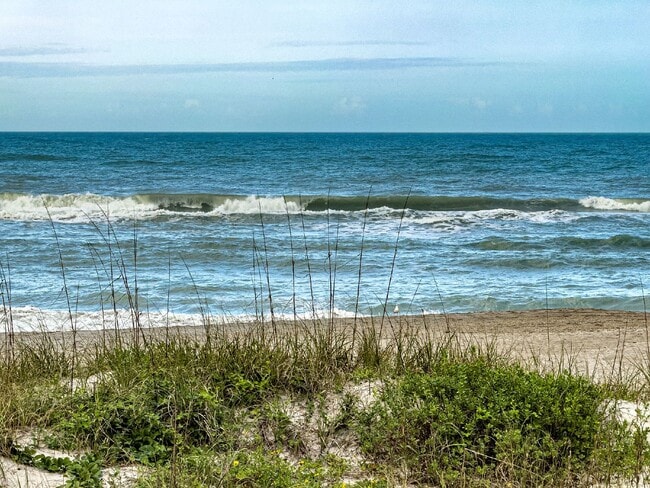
(309,407)
(472,420)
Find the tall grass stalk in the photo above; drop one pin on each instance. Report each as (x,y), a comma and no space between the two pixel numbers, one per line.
(360,267)
(62,268)
(548,330)
(329,262)
(442,306)
(203,306)
(120,262)
(168,302)
(645,322)
(332,259)
(293,261)
(267,270)
(7,312)
(256,275)
(645,368)
(117,260)
(392,264)
(309,276)
(136,291)
(95,256)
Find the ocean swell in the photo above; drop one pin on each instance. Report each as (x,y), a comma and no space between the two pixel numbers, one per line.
(437,203)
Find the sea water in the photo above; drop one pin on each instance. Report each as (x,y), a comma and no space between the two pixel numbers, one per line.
(253,225)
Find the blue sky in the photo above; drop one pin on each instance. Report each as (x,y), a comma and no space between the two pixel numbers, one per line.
(325,66)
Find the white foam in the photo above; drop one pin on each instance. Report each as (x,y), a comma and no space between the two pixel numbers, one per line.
(461,219)
(73,208)
(34,319)
(602,203)
(255,205)
(89,207)
(321,314)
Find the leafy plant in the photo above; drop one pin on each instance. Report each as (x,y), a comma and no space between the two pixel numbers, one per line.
(144,423)
(471,418)
(86,472)
(83,472)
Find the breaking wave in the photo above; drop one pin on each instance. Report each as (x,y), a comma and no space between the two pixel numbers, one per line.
(627,204)
(88,206)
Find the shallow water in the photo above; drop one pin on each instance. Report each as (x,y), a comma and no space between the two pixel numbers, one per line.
(206,222)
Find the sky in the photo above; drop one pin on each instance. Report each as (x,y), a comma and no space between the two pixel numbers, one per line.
(336,65)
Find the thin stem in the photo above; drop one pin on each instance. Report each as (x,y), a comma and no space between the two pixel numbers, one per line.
(311,285)
(268,273)
(363,236)
(392,265)
(293,262)
(62,266)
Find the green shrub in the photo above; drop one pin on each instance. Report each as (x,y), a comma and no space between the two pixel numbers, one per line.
(472,419)
(144,422)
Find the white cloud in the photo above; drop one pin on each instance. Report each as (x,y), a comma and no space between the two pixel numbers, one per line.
(349,105)
(191,103)
(370,42)
(474,102)
(46,50)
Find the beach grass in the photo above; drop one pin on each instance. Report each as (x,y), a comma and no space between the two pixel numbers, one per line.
(299,405)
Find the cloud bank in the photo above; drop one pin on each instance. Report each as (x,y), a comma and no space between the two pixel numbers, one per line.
(66,70)
(39,51)
(348,43)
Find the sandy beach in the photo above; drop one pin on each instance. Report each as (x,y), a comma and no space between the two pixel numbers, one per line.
(593,342)
(598,343)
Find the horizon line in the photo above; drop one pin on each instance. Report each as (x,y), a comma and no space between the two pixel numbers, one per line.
(50,131)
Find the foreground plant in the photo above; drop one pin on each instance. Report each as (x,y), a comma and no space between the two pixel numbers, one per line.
(218,412)
(474,420)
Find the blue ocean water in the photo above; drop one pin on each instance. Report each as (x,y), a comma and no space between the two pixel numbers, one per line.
(246,224)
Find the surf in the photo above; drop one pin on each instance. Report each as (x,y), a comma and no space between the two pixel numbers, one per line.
(626,204)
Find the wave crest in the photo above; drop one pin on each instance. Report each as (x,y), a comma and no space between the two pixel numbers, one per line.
(69,207)
(627,204)
(79,208)
(91,207)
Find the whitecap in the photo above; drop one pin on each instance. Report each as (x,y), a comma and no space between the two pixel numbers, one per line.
(603,203)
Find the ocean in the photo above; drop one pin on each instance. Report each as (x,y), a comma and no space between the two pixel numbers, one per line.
(245,225)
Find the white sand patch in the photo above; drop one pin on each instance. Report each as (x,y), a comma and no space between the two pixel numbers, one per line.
(14,475)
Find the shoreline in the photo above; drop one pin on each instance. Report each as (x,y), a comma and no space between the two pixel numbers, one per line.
(598,343)
(559,319)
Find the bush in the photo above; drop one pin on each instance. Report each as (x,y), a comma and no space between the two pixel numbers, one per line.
(472,419)
(144,422)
